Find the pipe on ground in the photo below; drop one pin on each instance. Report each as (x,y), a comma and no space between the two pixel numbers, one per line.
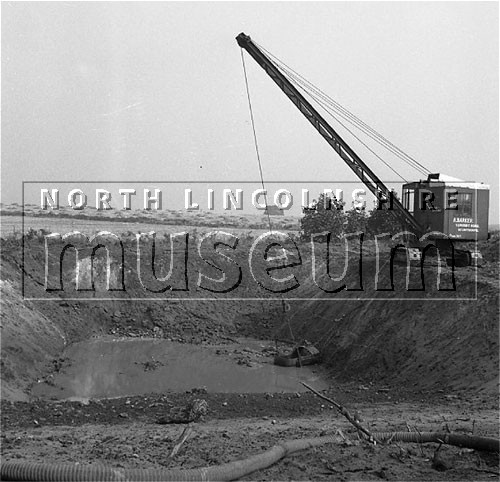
(14,470)
(485,444)
(230,471)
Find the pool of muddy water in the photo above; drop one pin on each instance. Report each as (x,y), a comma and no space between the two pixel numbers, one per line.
(110,367)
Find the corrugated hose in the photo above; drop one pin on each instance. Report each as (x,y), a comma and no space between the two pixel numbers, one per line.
(15,470)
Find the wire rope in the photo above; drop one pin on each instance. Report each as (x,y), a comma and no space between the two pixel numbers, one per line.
(310,88)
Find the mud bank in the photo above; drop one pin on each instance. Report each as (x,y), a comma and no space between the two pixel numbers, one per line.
(423,340)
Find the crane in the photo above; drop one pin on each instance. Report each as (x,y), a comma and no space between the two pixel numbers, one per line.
(382,193)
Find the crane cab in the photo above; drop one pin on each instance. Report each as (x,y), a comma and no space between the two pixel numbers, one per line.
(456,208)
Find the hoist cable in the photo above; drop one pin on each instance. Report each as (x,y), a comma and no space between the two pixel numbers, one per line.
(356,137)
(260,164)
(255,140)
(361,124)
(327,109)
(347,115)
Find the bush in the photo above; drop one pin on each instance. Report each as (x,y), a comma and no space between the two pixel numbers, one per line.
(381,221)
(326,214)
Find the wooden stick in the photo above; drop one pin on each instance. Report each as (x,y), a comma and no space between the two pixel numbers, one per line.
(184,436)
(342,410)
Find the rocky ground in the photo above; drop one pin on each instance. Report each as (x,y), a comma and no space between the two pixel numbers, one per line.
(125,433)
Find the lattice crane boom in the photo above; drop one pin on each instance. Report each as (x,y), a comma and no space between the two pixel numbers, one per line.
(364,173)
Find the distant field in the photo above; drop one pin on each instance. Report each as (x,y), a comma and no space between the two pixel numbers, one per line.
(91,221)
(13,224)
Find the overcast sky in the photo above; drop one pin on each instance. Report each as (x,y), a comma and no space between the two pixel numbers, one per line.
(155,91)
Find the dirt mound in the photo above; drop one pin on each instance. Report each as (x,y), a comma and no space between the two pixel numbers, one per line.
(30,340)
(491,249)
(425,340)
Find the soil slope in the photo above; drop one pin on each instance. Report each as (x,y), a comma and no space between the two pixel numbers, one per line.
(428,339)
